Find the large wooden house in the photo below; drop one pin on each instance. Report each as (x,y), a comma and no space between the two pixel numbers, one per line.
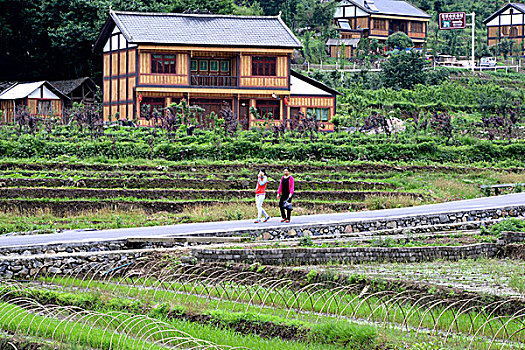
(155,59)
(39,98)
(375,19)
(507,23)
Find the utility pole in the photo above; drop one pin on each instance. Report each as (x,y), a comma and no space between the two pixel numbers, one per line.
(473,24)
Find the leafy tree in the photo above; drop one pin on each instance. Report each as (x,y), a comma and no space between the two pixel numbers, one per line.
(399,41)
(442,124)
(314,14)
(504,47)
(247,9)
(404,70)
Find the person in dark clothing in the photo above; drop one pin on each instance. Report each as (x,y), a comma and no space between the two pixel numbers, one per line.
(286,190)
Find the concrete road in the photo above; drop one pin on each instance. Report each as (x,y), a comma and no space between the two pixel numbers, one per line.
(224,226)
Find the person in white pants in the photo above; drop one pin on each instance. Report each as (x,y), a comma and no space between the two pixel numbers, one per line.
(260,194)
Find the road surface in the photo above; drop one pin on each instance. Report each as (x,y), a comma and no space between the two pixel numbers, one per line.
(223,226)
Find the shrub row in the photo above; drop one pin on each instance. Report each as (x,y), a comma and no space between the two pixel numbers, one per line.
(238,150)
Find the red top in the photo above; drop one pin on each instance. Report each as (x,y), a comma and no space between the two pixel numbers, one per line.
(261,185)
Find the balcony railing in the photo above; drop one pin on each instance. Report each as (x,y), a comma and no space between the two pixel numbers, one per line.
(213,80)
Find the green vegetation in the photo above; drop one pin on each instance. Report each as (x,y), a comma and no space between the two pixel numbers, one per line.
(510,225)
(231,312)
(345,334)
(44,196)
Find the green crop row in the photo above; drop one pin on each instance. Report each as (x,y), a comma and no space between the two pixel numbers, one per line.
(238,150)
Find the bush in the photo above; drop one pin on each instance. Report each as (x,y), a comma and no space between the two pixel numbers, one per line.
(436,77)
(399,40)
(510,225)
(404,70)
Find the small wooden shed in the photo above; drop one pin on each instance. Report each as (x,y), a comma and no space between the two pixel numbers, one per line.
(81,90)
(40,98)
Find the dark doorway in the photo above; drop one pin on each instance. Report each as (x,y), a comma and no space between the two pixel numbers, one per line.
(209,106)
(397,26)
(244,114)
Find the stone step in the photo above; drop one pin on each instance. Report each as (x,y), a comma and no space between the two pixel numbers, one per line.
(186,239)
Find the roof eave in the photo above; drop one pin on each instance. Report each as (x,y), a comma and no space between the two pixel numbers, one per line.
(55,90)
(315,83)
(104,34)
(289,31)
(217,45)
(489,18)
(426,16)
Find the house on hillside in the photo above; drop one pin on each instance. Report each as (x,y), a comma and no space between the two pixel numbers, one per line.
(81,90)
(376,19)
(40,98)
(507,23)
(151,60)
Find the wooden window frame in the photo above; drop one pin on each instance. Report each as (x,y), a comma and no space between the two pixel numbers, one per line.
(264,66)
(222,63)
(214,66)
(154,102)
(379,24)
(196,63)
(417,27)
(268,106)
(160,62)
(319,113)
(49,110)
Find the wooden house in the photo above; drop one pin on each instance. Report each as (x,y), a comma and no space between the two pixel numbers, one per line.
(375,19)
(151,60)
(507,23)
(40,98)
(309,96)
(81,90)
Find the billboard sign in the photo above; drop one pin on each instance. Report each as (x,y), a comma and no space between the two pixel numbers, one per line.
(453,20)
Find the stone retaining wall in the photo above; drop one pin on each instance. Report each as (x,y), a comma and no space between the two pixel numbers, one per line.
(312,256)
(293,231)
(69,263)
(352,255)
(86,247)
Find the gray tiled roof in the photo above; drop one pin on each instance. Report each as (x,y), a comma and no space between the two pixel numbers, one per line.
(519,6)
(338,42)
(198,29)
(393,7)
(67,86)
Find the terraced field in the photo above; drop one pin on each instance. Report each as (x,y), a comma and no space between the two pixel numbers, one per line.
(112,196)
(247,307)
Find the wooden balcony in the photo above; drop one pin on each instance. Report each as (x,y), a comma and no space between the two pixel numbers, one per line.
(213,80)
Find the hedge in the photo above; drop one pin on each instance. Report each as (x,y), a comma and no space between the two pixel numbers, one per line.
(239,150)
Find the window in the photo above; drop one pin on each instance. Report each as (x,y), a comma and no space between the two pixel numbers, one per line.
(513,31)
(225,66)
(149,105)
(265,107)
(263,65)
(194,66)
(203,65)
(45,107)
(321,114)
(505,30)
(417,27)
(379,24)
(214,66)
(163,64)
